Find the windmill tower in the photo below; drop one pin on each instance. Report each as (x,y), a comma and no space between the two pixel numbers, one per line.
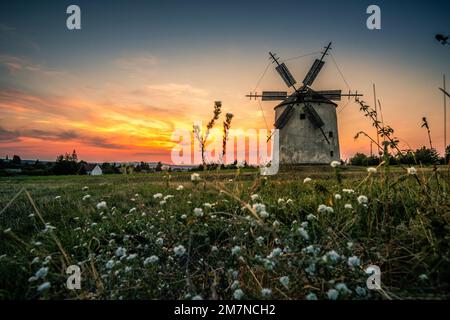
(306,118)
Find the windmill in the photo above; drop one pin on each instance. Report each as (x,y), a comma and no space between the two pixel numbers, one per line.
(306,118)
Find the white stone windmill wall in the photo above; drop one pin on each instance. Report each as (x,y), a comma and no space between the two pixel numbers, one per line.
(301,142)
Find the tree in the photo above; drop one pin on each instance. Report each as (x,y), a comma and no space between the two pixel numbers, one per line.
(67,164)
(203,137)
(226,130)
(16,159)
(158,166)
(426,156)
(447,154)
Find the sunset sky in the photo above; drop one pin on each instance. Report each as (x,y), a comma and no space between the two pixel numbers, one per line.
(138,70)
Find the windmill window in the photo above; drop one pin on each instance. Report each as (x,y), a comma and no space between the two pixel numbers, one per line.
(330,134)
(331,153)
(302,116)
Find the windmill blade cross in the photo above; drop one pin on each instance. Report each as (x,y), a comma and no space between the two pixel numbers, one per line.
(445,92)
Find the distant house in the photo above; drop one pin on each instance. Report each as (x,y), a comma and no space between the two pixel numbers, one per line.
(93,169)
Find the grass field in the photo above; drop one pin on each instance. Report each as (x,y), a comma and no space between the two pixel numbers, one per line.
(227,235)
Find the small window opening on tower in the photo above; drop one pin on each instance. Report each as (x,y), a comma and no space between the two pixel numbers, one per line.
(331,153)
(302,116)
(330,134)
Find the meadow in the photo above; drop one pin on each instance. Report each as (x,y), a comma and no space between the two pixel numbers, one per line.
(306,233)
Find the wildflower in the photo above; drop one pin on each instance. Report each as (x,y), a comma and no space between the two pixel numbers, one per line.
(332,256)
(335,164)
(254,197)
(307,180)
(348,190)
(310,217)
(281,201)
(7,230)
(330,210)
(197,297)
(86,197)
(57,197)
(284,281)
(235,285)
(85,188)
(101,205)
(269,264)
(265,292)
(162,202)
(322,208)
(360,291)
(235,250)
(337,196)
(275,253)
(303,233)
(183,216)
(332,294)
(276,224)
(131,257)
(35,260)
(353,261)
(348,206)
(372,170)
(261,210)
(342,288)
(289,201)
(423,277)
(207,205)
(304,224)
(44,286)
(198,212)
(180,187)
(311,269)
(260,240)
(362,199)
(169,196)
(238,294)
(41,273)
(121,252)
(214,248)
(195,177)
(157,196)
(109,264)
(159,241)
(311,296)
(151,260)
(132,210)
(179,250)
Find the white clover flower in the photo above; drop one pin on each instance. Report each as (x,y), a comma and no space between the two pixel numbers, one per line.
(110,264)
(86,197)
(363,199)
(35,260)
(266,292)
(162,202)
(261,210)
(342,288)
(101,205)
(179,250)
(332,256)
(412,171)
(330,210)
(423,277)
(44,286)
(337,196)
(260,240)
(151,260)
(207,205)
(311,296)
(198,212)
(235,285)
(275,253)
(304,224)
(310,217)
(322,208)
(335,164)
(131,257)
(132,210)
(254,197)
(120,252)
(284,281)
(276,224)
(303,233)
(281,201)
(235,250)
(214,248)
(183,216)
(333,294)
(159,241)
(195,177)
(289,201)
(353,261)
(157,196)
(57,197)
(7,230)
(238,294)
(372,170)
(348,206)
(169,196)
(85,188)
(180,187)
(41,273)
(348,190)
(307,180)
